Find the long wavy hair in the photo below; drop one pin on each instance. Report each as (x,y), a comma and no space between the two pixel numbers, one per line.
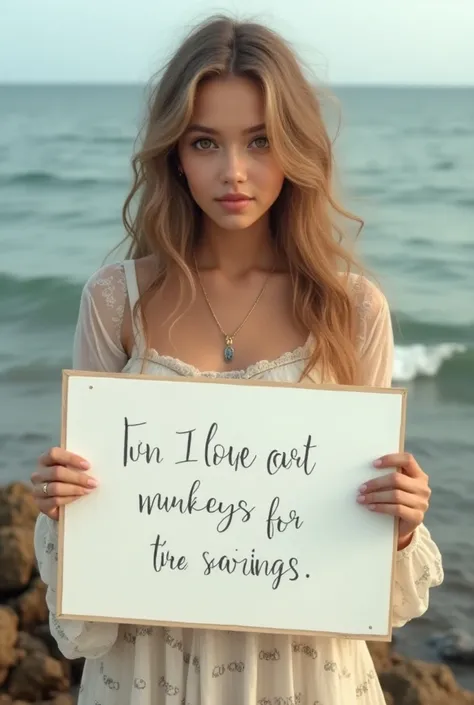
(161,217)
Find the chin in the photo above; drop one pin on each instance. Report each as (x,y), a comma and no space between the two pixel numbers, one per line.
(235,223)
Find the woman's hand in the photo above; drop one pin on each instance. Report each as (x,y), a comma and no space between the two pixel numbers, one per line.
(60,479)
(404,494)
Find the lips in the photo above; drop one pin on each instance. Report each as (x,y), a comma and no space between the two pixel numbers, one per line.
(234,198)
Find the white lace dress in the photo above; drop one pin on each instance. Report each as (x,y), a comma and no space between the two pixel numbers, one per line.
(128,665)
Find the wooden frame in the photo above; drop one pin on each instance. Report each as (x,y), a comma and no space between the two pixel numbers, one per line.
(67,374)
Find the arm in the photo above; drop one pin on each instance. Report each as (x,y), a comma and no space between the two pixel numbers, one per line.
(97,347)
(418,565)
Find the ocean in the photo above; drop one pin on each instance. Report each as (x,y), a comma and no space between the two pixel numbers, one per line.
(406,161)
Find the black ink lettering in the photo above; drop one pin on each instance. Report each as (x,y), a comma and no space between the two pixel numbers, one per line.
(253,566)
(231,511)
(277,522)
(278,459)
(188,449)
(142,449)
(210,436)
(165,559)
(307,449)
(214,455)
(161,502)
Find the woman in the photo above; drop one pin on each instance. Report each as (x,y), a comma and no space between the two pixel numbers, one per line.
(235,270)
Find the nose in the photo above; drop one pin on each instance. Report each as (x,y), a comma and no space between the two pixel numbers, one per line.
(234,168)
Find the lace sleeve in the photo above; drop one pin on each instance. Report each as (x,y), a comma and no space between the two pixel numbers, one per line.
(97,340)
(375,335)
(74,638)
(97,348)
(419,566)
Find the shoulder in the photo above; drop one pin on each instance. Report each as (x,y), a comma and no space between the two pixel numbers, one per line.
(364,293)
(370,306)
(108,282)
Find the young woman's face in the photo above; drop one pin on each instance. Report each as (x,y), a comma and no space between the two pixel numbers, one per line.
(225,154)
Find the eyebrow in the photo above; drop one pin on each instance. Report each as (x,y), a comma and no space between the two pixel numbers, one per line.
(195,127)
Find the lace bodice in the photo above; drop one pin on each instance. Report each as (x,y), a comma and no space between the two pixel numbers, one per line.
(109,291)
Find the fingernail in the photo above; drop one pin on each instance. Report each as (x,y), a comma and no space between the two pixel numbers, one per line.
(361,498)
(377,463)
(372,507)
(84,465)
(362,488)
(92,483)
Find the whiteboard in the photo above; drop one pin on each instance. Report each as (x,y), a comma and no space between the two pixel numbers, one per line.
(228,504)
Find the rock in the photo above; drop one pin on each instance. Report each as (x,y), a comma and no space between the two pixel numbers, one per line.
(410,682)
(381,652)
(72,667)
(17,558)
(37,676)
(8,638)
(17,507)
(28,644)
(62,699)
(30,606)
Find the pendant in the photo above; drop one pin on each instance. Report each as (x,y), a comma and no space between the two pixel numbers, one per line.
(229,349)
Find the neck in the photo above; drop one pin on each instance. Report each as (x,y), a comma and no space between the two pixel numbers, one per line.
(236,252)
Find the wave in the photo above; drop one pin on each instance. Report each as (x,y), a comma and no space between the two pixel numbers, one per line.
(415,361)
(38,302)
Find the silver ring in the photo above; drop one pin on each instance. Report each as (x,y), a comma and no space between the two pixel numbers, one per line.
(45,488)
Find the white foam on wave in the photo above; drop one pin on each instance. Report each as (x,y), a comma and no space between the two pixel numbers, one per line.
(412,361)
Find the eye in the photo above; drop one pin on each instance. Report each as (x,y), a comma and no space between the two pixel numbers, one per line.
(203,144)
(261,142)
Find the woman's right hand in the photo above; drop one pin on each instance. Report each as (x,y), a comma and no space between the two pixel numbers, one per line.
(60,479)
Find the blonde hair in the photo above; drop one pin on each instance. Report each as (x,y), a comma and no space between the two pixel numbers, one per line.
(304,219)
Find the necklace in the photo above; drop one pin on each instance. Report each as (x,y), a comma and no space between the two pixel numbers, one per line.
(229,338)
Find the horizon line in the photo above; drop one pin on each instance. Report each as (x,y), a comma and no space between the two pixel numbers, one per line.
(144,84)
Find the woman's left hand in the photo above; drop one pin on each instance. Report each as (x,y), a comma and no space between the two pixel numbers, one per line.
(404,494)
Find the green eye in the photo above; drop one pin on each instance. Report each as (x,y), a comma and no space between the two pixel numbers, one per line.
(261,142)
(203,143)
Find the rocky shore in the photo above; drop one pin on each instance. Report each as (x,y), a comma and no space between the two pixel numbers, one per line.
(33,670)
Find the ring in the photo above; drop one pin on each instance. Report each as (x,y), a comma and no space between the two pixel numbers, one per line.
(45,488)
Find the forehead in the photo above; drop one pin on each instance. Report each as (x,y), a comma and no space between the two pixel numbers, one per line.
(231,102)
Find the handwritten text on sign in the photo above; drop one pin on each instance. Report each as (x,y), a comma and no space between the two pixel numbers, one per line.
(211,453)
(229,505)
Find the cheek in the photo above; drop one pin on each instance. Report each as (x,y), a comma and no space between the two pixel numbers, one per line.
(199,175)
(270,178)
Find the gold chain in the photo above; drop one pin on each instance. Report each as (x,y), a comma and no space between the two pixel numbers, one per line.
(229,339)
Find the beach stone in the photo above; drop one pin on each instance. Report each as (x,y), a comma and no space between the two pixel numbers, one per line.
(28,644)
(411,682)
(17,506)
(62,699)
(72,667)
(31,606)
(17,558)
(37,676)
(8,638)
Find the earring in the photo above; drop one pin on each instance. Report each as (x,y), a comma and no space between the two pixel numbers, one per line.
(180,171)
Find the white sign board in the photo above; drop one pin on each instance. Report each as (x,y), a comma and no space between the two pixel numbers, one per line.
(228,505)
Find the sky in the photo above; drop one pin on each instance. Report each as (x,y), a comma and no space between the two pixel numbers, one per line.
(343,41)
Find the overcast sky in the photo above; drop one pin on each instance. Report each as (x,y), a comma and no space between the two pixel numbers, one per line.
(345,41)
